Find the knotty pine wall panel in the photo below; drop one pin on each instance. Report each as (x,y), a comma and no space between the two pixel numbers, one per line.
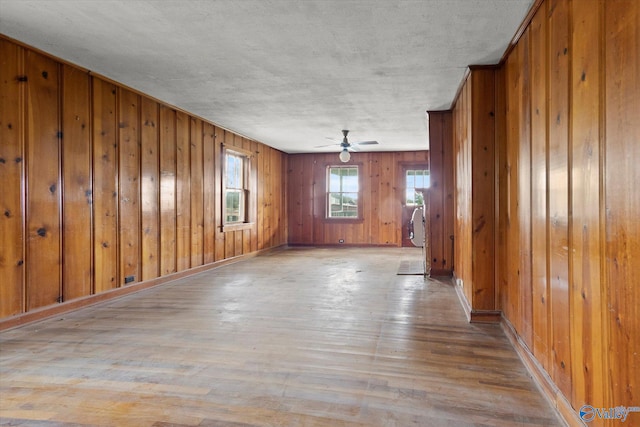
(441,192)
(502,191)
(381,182)
(277,222)
(43,181)
(283,220)
(12,129)
(209,203)
(389,200)
(374,177)
(586,299)
(197,193)
(382,217)
(102,183)
(567,115)
(463,203)
(621,209)
(105,186)
(238,241)
(317,202)
(474,151)
(299,217)
(524,190)
(76,183)
(483,183)
(183,192)
(250,234)
(149,189)
(272,223)
(229,244)
(167,190)
(447,261)
(559,164)
(246,241)
(276,217)
(510,290)
(262,199)
(129,184)
(219,245)
(540,308)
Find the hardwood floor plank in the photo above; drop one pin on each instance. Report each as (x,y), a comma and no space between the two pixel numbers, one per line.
(300,337)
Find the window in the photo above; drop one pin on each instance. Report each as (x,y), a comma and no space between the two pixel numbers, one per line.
(343,188)
(236,187)
(416,179)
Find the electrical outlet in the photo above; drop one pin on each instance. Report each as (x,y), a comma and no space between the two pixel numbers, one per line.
(129,279)
(341,241)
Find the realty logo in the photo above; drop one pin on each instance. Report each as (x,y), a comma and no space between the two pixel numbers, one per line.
(588,413)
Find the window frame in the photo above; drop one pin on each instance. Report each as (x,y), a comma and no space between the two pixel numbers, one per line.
(249,195)
(327,206)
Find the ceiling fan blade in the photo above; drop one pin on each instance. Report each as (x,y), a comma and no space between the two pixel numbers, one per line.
(356,146)
(351,146)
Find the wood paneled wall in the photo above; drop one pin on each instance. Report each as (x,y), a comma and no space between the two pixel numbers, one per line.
(102,185)
(475,158)
(441,192)
(381,199)
(568,212)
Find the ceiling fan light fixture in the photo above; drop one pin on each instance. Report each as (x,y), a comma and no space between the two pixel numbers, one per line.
(345,156)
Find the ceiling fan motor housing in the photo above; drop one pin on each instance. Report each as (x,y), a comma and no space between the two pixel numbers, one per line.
(345,143)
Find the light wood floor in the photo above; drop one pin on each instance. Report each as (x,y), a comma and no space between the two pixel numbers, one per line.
(300,337)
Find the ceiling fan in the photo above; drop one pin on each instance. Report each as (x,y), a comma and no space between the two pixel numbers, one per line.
(345,156)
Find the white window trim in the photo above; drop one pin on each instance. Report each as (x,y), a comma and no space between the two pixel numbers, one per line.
(352,219)
(249,202)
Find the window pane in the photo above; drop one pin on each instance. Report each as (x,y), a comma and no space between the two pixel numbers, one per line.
(343,205)
(234,171)
(234,206)
(239,174)
(230,172)
(410,196)
(334,179)
(419,179)
(350,183)
(411,180)
(419,199)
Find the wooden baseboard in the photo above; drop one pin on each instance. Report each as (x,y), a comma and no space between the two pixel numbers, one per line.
(475,316)
(435,272)
(485,316)
(542,379)
(342,245)
(75,304)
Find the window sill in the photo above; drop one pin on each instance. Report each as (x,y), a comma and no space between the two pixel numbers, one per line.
(236,227)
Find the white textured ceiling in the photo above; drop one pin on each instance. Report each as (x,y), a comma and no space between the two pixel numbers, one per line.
(289,73)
